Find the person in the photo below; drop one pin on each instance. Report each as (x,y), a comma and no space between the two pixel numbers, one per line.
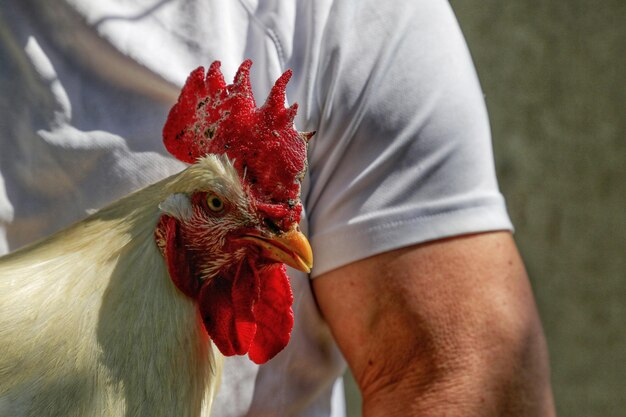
(417,282)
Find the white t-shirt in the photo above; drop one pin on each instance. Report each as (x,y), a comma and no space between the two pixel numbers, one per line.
(402,153)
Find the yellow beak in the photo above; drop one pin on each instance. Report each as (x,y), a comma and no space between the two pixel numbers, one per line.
(290,248)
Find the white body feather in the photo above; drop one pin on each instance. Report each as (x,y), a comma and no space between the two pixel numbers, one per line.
(91,324)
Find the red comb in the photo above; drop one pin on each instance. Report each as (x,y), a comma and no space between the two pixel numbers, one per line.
(212,117)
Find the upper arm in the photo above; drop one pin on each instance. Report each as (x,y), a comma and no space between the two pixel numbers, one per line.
(403,156)
(454,318)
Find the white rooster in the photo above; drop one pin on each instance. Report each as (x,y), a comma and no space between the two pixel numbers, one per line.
(120,314)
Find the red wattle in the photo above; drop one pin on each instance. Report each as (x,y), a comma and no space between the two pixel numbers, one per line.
(273,314)
(245,311)
(226,305)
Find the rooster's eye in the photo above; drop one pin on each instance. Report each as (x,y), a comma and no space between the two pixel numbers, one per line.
(214,203)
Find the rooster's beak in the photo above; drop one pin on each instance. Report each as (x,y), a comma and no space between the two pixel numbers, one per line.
(290,248)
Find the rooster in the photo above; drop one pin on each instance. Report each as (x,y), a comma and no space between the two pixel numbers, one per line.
(128,312)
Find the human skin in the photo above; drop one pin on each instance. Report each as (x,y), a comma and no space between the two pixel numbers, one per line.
(446,328)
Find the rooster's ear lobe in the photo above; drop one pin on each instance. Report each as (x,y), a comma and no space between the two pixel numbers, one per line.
(178,206)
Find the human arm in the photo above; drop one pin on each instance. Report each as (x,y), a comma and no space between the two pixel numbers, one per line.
(443,328)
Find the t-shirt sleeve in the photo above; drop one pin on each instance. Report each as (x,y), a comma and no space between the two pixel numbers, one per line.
(403,150)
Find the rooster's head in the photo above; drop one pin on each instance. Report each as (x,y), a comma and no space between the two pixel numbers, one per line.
(232,222)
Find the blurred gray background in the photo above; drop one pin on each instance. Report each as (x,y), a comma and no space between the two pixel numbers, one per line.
(554,77)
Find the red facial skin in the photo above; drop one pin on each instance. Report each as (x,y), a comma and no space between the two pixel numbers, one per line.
(245,302)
